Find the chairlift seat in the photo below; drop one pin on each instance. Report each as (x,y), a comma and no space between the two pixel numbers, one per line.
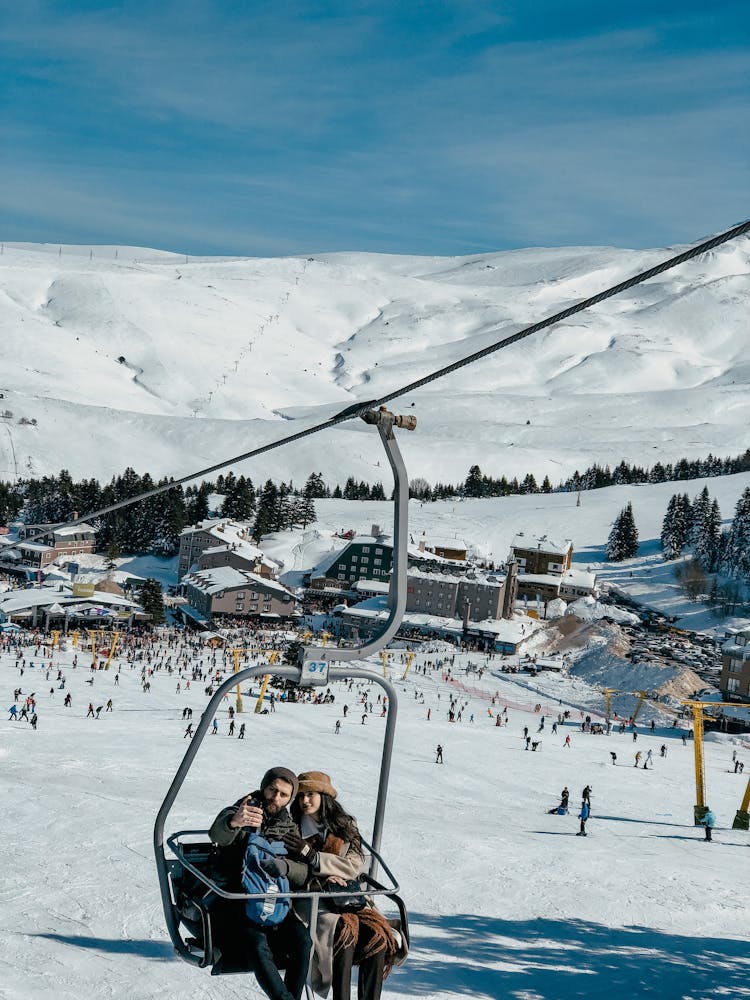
(193,901)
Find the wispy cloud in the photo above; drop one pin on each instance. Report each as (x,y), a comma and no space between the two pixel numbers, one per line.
(426,128)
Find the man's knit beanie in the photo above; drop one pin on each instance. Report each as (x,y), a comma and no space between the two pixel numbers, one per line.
(280,772)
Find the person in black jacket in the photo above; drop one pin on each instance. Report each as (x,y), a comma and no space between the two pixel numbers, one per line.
(244,944)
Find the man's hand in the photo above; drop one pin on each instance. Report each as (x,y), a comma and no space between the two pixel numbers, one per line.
(275,866)
(247,815)
(298,848)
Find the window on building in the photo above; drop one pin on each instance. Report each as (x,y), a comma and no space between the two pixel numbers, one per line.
(365,559)
(378,552)
(266,607)
(735,665)
(355,558)
(240,595)
(342,566)
(342,576)
(377,562)
(365,548)
(733,684)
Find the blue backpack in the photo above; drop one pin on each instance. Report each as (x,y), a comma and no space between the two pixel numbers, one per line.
(270,911)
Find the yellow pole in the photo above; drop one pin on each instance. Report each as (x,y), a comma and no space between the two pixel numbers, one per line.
(608,692)
(638,706)
(75,638)
(273,655)
(112,650)
(55,638)
(261,696)
(236,654)
(700,809)
(409,661)
(742,816)
(384,658)
(92,636)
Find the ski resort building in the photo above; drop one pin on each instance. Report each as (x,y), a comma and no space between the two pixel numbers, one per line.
(75,540)
(218,542)
(365,557)
(228,591)
(734,682)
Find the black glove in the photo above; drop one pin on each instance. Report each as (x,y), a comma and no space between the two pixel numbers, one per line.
(296,847)
(275,867)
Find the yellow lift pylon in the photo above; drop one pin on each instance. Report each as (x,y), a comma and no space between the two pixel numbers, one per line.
(608,692)
(701,808)
(237,652)
(409,661)
(641,699)
(94,653)
(742,817)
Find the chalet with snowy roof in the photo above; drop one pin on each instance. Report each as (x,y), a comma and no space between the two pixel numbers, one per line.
(75,540)
(365,557)
(225,590)
(503,636)
(451,549)
(64,603)
(576,583)
(219,542)
(541,555)
(734,682)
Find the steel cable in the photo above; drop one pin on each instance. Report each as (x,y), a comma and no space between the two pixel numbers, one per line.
(357,409)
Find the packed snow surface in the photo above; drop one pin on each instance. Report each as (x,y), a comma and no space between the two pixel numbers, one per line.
(505,900)
(134,357)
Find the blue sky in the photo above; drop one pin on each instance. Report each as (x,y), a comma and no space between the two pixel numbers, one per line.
(411,127)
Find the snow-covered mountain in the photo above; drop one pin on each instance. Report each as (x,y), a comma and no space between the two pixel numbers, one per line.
(144,358)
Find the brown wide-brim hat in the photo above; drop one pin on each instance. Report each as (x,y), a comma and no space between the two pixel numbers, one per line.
(316,781)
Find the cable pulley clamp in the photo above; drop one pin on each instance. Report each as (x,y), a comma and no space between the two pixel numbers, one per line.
(407,422)
(384,418)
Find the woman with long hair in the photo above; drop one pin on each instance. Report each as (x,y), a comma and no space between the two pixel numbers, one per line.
(332,846)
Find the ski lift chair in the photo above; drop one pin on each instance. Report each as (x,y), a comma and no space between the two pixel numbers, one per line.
(192,879)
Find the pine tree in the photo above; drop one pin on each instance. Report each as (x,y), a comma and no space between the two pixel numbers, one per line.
(474,484)
(196,503)
(239,500)
(707,534)
(168,522)
(623,538)
(672,539)
(699,511)
(736,556)
(151,599)
(265,517)
(315,487)
(306,507)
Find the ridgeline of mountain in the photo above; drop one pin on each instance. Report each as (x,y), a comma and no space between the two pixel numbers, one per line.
(116,357)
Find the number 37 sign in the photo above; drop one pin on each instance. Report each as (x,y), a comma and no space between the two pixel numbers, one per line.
(314,672)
